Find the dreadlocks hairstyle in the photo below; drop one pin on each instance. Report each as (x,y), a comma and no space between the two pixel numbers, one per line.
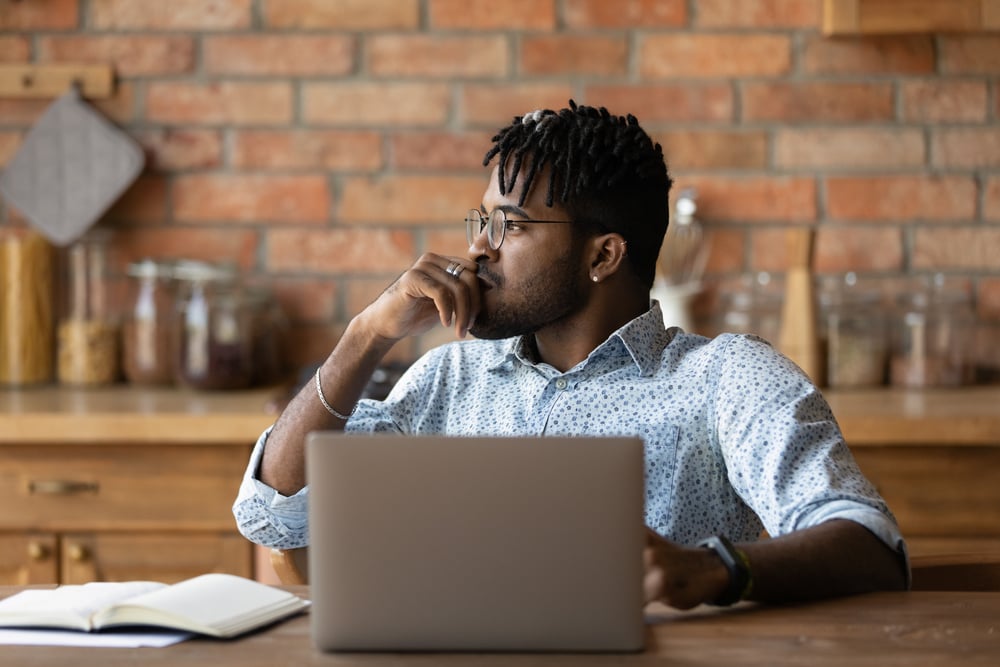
(604,169)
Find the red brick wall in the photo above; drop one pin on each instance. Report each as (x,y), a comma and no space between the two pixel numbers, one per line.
(322,144)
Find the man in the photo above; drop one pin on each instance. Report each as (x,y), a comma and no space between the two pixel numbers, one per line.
(555,287)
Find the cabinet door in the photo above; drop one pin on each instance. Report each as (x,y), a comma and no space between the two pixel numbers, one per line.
(166,557)
(28,558)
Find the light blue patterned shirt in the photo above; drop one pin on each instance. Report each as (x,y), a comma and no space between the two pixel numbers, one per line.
(736,437)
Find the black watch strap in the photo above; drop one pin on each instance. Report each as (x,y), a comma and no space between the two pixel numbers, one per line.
(737,565)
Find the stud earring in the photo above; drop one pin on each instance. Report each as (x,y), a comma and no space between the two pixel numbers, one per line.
(594,278)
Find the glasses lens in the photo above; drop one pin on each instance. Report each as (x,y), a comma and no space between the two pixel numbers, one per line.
(496,229)
(474,224)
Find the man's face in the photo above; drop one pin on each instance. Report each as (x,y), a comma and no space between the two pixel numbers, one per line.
(537,277)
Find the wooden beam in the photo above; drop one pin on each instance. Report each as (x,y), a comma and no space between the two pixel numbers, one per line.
(887,17)
(34,81)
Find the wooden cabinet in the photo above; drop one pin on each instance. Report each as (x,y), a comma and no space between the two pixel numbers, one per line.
(935,457)
(123,484)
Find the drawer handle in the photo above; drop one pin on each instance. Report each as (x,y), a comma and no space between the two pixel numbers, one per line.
(37,551)
(61,487)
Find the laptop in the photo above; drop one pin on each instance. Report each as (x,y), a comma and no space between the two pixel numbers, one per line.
(435,543)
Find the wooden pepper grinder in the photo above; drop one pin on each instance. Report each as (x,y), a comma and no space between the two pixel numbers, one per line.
(798,340)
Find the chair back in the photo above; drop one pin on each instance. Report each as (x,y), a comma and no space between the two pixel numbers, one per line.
(291,565)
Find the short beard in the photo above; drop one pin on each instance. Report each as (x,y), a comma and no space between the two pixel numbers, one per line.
(539,301)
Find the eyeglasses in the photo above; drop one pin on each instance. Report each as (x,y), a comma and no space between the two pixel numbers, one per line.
(496,224)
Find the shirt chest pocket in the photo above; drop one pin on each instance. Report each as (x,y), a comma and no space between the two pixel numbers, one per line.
(660,448)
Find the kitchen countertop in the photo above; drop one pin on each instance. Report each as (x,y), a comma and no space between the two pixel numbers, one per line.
(124,414)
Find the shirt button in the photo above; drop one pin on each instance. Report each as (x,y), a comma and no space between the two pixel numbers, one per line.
(561,383)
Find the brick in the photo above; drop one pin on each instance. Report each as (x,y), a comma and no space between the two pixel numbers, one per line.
(308,344)
(121,106)
(339,251)
(988,299)
(820,101)
(494,106)
(438,150)
(195,15)
(714,149)
(767,14)
(181,149)
(22,111)
(967,248)
(491,15)
(305,299)
(861,148)
(868,55)
(991,199)
(448,241)
(144,203)
(969,54)
(901,198)
(214,244)
(671,55)
(38,15)
(625,13)
(223,103)
(340,150)
(130,55)
(726,250)
(283,55)
(368,104)
(251,198)
(768,249)
(342,14)
(653,103)
(14,48)
(10,141)
(595,55)
(853,248)
(966,147)
(437,55)
(753,199)
(411,200)
(941,101)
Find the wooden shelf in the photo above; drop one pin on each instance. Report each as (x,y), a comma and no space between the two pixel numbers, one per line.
(34,81)
(883,17)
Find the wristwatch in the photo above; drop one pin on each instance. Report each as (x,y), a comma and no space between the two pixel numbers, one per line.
(738,566)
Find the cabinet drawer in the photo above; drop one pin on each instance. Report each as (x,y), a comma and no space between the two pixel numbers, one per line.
(947,491)
(119,487)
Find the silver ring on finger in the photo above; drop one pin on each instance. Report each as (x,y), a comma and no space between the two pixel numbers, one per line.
(454,270)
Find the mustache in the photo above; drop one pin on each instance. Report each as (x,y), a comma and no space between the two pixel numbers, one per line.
(494,278)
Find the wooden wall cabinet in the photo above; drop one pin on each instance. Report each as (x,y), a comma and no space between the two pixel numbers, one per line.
(884,17)
(118,485)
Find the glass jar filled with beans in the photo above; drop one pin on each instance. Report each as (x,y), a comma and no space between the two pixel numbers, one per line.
(88,334)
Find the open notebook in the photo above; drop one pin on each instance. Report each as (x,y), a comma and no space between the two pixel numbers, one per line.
(461,544)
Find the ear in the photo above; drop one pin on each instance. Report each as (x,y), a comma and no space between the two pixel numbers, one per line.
(608,253)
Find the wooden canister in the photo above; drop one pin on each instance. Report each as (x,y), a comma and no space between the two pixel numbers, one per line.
(27,265)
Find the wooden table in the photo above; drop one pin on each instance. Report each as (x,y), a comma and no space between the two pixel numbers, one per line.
(883,629)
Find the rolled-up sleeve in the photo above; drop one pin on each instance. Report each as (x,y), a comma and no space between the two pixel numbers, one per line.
(265,516)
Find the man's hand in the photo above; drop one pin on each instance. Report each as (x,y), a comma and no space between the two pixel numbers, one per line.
(427,293)
(681,577)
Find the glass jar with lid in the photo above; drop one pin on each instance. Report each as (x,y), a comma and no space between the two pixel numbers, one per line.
(213,346)
(147,357)
(89,330)
(931,335)
(754,307)
(853,333)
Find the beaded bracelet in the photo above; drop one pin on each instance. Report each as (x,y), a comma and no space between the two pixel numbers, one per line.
(329,408)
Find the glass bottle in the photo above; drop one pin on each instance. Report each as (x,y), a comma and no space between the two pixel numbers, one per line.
(88,332)
(27,292)
(213,329)
(753,308)
(853,332)
(931,335)
(147,355)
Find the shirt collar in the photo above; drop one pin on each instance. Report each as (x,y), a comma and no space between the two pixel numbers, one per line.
(643,338)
